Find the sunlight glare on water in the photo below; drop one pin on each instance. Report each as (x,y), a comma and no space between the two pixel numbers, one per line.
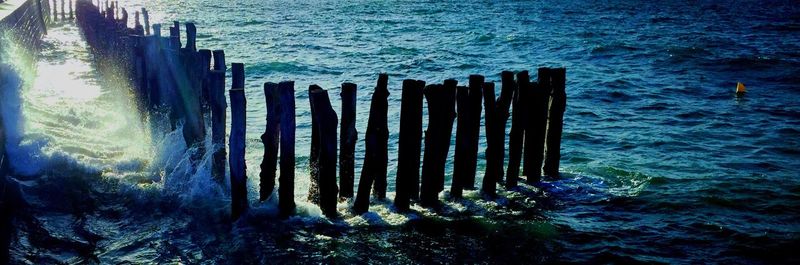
(95,124)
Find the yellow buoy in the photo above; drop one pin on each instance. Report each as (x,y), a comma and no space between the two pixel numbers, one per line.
(740,89)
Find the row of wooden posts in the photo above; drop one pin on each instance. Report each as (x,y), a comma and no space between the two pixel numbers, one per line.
(179,79)
(61,10)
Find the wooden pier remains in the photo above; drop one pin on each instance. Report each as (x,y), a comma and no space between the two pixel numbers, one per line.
(167,75)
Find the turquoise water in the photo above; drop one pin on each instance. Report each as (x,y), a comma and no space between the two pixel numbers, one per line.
(661,162)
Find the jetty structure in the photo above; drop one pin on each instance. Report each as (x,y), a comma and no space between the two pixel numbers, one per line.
(189,83)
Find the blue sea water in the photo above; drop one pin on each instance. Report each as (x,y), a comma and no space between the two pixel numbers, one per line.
(661,162)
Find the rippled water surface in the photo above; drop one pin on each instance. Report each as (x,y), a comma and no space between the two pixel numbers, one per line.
(661,162)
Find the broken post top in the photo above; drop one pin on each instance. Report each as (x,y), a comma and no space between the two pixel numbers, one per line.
(157,30)
(382,87)
(348,88)
(191,36)
(219,60)
(558,79)
(476,80)
(314,88)
(237,72)
(523,79)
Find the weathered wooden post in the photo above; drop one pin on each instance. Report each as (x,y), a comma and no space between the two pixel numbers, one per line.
(555,125)
(146,17)
(376,139)
(441,114)
(55,10)
(71,12)
(287,125)
(189,79)
(462,142)
(218,116)
(123,20)
(270,140)
(237,142)
(326,123)
(524,84)
(347,144)
(175,35)
(536,128)
(467,133)
(137,27)
(313,157)
(489,185)
(191,36)
(503,104)
(63,14)
(475,99)
(516,136)
(409,144)
(205,91)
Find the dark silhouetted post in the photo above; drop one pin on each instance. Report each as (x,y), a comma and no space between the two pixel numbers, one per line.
(537,126)
(410,142)
(191,37)
(270,140)
(516,136)
(376,139)
(524,83)
(489,185)
(555,125)
(503,104)
(347,144)
(441,114)
(204,59)
(475,99)
(313,157)
(326,123)
(287,125)
(237,142)
(146,17)
(218,116)
(462,142)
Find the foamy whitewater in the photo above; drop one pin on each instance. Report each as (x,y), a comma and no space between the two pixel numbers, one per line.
(661,162)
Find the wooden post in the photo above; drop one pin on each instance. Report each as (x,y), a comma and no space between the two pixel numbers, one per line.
(71,12)
(347,144)
(313,157)
(55,11)
(516,136)
(441,114)
(467,133)
(409,144)
(218,116)
(175,35)
(462,142)
(219,60)
(524,84)
(146,17)
(63,14)
(286,188)
(503,104)
(326,123)
(376,139)
(123,20)
(536,129)
(489,185)
(191,37)
(205,91)
(270,140)
(237,143)
(475,99)
(555,125)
